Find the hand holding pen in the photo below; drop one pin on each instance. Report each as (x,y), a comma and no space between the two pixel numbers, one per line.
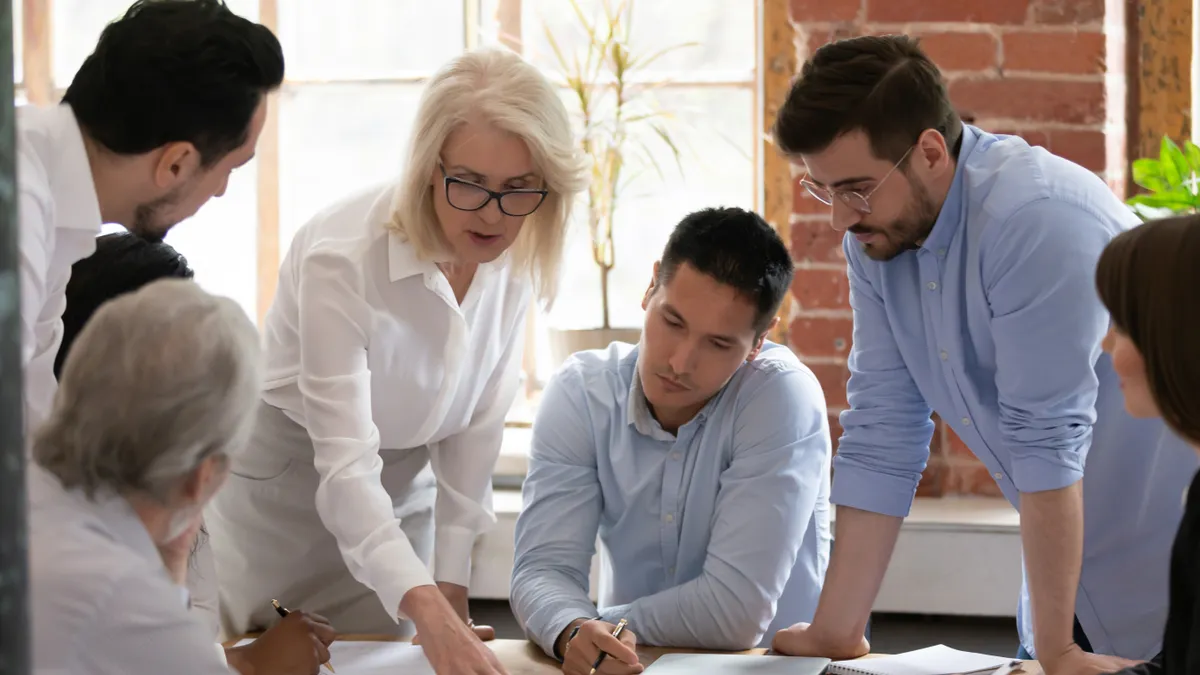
(600,648)
(321,633)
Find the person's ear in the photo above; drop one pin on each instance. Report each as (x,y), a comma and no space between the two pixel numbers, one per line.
(931,155)
(176,163)
(205,480)
(650,289)
(761,339)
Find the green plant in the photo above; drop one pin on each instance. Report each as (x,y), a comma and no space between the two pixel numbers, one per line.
(1172,181)
(619,117)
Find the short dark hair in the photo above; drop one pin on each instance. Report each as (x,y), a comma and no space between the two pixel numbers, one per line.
(884,85)
(737,248)
(174,71)
(1149,280)
(123,262)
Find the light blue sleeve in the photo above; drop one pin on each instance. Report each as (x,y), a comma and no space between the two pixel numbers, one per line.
(556,531)
(765,502)
(1038,272)
(887,429)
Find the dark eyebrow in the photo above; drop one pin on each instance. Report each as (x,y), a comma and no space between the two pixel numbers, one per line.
(466,169)
(666,306)
(851,181)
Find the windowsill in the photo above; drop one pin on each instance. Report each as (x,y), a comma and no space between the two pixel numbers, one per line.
(513,461)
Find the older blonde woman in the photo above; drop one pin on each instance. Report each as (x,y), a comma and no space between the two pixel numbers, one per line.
(393,350)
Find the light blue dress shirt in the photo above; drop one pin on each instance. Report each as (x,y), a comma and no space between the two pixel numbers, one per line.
(706,532)
(994,323)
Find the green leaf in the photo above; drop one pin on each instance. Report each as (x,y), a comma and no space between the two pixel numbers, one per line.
(1174,165)
(1192,152)
(1179,203)
(1148,173)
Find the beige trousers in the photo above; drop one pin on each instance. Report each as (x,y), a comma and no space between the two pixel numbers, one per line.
(268,541)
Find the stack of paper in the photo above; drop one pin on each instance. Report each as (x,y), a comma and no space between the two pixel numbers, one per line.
(939,660)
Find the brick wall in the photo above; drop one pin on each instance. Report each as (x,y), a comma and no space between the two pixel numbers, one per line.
(1030,67)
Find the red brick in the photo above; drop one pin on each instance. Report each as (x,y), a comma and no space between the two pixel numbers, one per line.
(833,377)
(835,428)
(971,478)
(1067,11)
(1029,99)
(821,289)
(1065,52)
(821,336)
(933,480)
(1086,148)
(816,241)
(967,11)
(813,39)
(961,51)
(805,11)
(804,203)
(956,448)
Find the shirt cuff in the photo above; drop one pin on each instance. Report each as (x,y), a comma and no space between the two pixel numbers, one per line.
(452,554)
(867,490)
(547,633)
(1041,473)
(615,613)
(395,570)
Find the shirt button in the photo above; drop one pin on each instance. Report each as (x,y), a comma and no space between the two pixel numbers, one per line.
(670,517)
(966,421)
(675,456)
(932,285)
(998,476)
(945,355)
(942,252)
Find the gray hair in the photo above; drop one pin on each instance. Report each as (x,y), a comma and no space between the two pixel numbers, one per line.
(158,381)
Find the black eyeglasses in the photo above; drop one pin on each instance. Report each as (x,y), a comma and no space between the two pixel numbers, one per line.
(467,196)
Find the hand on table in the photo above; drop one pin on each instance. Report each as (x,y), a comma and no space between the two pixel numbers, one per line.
(457,597)
(1075,661)
(451,645)
(297,645)
(593,637)
(803,639)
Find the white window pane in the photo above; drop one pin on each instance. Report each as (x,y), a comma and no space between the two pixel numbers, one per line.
(78,23)
(18,14)
(368,38)
(715,129)
(220,242)
(724,31)
(337,139)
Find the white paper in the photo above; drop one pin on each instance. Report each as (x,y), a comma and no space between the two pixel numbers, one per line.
(939,660)
(375,658)
(737,664)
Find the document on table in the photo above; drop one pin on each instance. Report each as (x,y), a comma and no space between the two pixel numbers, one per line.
(937,660)
(375,658)
(736,664)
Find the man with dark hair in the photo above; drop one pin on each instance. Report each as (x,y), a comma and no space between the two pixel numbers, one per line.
(971,259)
(170,102)
(700,456)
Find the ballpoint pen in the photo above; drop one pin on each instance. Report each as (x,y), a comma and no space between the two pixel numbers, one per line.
(617,634)
(279,609)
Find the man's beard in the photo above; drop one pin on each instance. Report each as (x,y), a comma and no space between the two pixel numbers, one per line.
(904,234)
(148,222)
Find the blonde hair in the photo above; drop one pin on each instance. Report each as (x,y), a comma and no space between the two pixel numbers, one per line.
(498,86)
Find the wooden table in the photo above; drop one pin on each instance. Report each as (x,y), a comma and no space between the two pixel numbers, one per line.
(521,657)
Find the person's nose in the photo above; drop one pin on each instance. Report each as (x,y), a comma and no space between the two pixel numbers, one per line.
(843,216)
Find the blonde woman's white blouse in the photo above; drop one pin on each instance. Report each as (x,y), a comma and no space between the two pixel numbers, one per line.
(367,348)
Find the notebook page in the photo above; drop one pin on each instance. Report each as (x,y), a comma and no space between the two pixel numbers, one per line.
(375,658)
(938,660)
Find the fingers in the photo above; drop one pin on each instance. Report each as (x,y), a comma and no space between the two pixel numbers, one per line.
(322,650)
(485,633)
(416,639)
(629,638)
(324,632)
(616,649)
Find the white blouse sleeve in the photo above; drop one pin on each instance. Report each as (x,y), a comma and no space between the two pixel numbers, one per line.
(463,463)
(335,385)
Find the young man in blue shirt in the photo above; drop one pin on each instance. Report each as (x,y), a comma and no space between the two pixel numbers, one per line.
(971,261)
(701,456)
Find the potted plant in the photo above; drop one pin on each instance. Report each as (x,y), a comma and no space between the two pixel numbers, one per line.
(1172,181)
(618,119)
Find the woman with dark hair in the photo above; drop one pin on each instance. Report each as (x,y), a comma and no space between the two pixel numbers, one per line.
(1149,279)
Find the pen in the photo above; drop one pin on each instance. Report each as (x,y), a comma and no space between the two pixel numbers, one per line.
(281,611)
(617,634)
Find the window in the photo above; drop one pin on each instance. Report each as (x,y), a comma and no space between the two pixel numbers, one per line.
(355,70)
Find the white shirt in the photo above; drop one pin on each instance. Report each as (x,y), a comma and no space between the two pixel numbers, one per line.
(59,216)
(367,348)
(102,603)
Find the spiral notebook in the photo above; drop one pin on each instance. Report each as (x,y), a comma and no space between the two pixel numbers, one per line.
(939,660)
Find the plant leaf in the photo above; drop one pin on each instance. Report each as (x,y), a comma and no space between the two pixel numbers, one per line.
(1192,152)
(1148,173)
(1175,201)
(1174,165)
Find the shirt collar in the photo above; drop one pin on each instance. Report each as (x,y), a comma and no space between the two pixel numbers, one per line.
(951,215)
(76,204)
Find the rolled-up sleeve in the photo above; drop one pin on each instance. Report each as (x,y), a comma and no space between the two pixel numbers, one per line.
(1038,272)
(780,459)
(463,463)
(556,531)
(335,385)
(886,430)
